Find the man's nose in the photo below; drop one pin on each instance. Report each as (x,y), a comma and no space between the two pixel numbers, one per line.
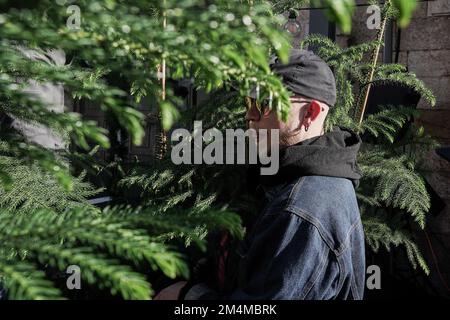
(252,114)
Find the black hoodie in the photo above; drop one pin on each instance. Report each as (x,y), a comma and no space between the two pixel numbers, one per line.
(332,154)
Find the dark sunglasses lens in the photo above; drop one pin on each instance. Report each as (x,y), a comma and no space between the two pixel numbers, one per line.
(248,103)
(261,106)
(264,106)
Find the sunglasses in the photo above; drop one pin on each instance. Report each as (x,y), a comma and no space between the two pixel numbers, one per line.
(263,106)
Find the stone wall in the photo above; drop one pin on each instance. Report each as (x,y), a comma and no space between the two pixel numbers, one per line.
(425,50)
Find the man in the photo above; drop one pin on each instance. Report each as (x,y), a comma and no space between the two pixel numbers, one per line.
(308,242)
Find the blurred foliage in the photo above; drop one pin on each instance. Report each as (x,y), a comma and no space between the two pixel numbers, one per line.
(115,248)
(113,57)
(224,43)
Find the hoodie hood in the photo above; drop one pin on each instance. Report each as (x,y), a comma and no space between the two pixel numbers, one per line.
(332,154)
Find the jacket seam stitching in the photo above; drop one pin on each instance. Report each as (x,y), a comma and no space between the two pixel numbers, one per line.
(341,273)
(337,254)
(306,215)
(316,223)
(311,283)
(346,241)
(297,186)
(354,289)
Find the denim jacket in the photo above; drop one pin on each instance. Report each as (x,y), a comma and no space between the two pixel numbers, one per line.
(308,242)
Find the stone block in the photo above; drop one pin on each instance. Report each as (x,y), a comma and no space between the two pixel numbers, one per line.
(437,124)
(441,89)
(426,34)
(438,7)
(430,63)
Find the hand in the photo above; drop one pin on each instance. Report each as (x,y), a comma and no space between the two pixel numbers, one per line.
(171,292)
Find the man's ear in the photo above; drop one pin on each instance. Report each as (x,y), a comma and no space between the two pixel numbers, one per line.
(312,111)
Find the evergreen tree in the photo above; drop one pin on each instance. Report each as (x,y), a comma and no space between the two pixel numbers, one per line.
(45,220)
(46,224)
(392,194)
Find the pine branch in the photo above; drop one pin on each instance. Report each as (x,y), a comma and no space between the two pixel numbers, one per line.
(387,122)
(25,281)
(380,233)
(409,80)
(396,183)
(31,188)
(96,269)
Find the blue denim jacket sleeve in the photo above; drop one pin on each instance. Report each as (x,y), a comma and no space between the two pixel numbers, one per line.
(305,245)
(286,259)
